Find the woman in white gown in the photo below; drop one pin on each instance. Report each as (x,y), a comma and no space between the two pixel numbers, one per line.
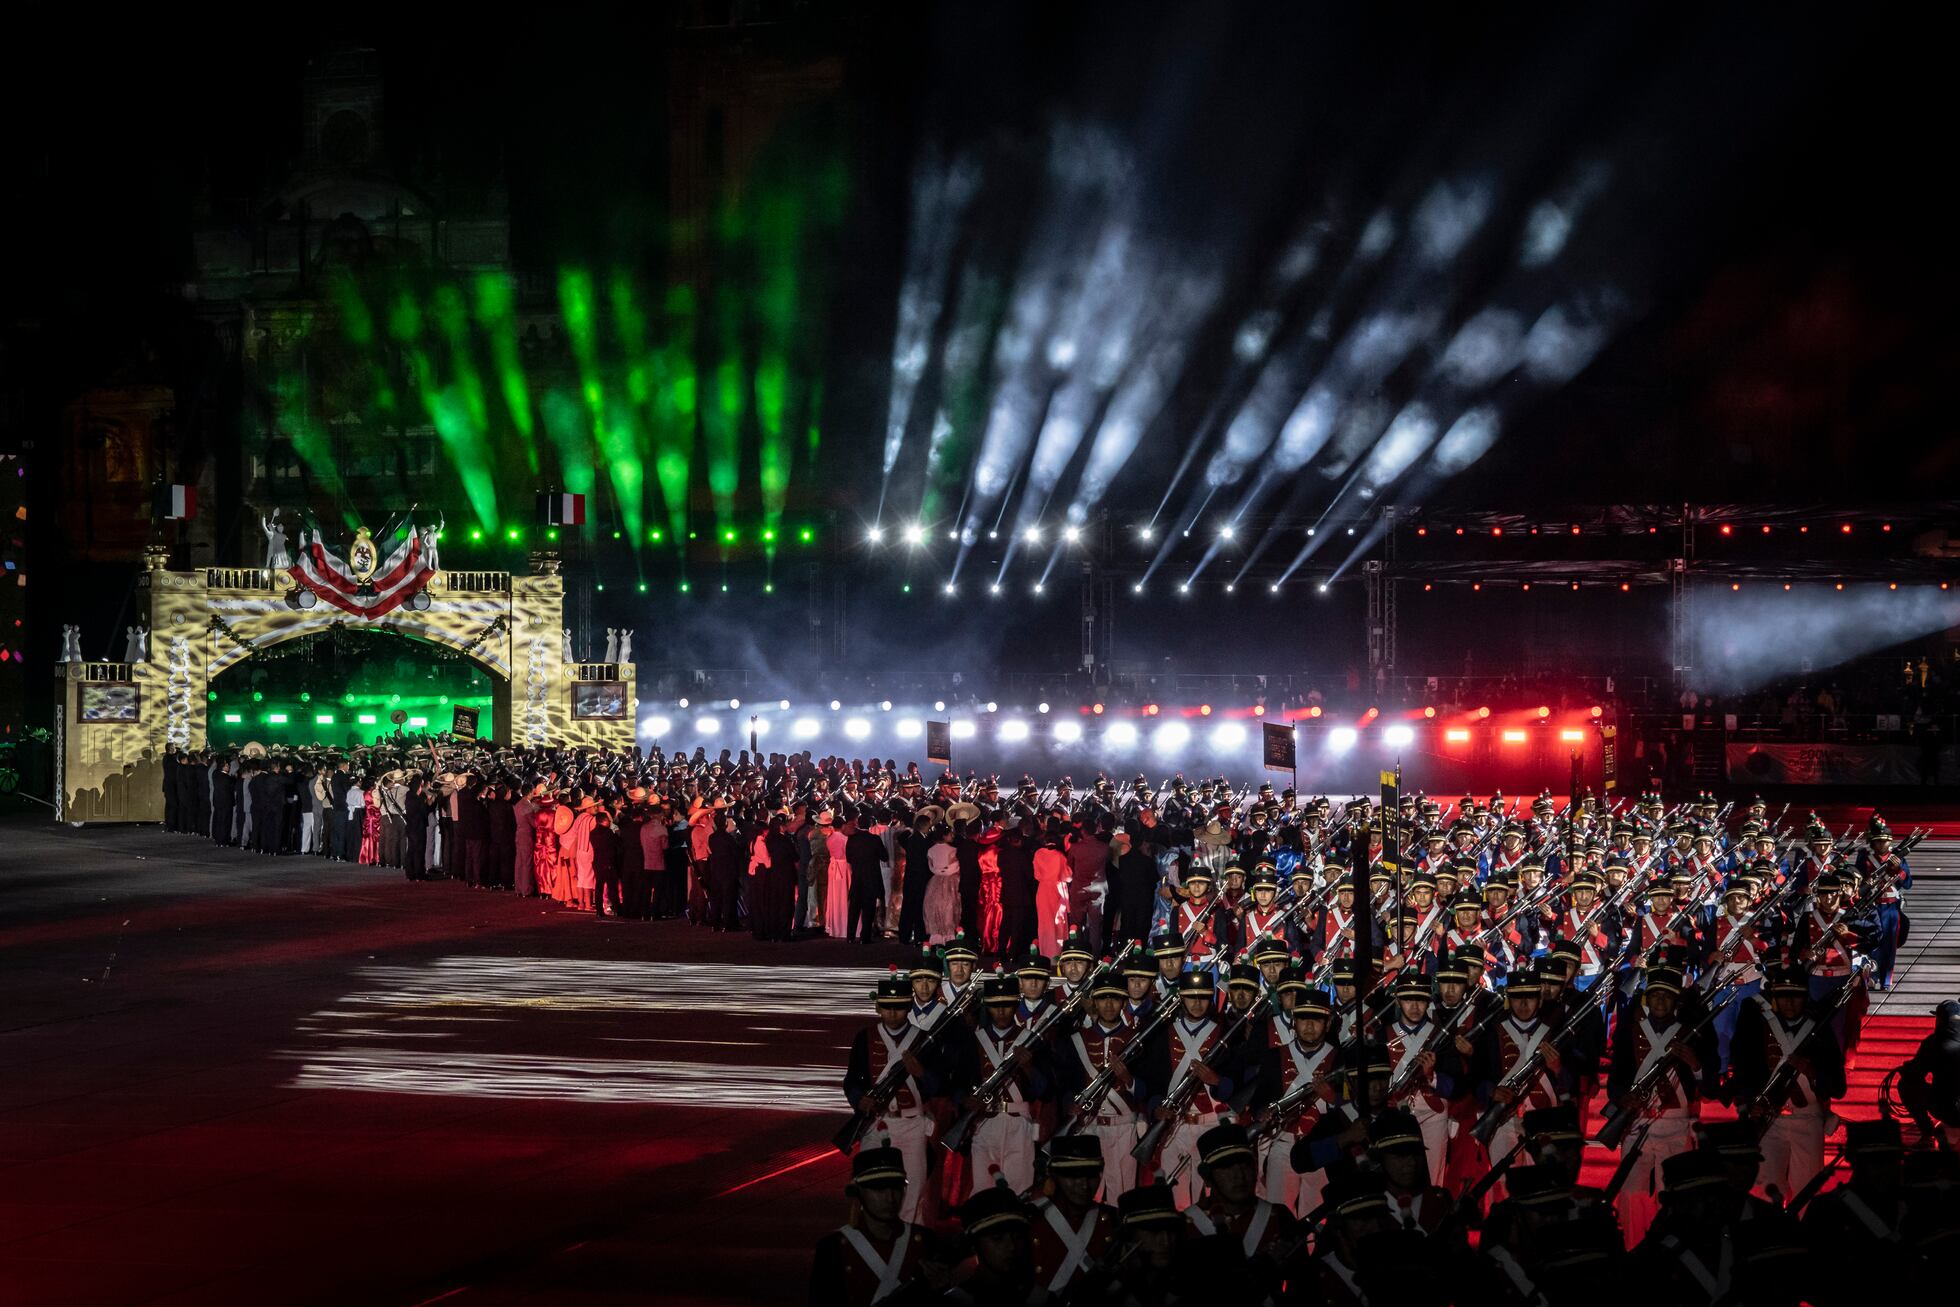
(837,894)
(942,905)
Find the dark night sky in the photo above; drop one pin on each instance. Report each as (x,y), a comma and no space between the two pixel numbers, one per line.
(1795,322)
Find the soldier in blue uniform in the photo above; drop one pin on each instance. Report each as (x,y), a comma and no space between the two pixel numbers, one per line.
(1885,875)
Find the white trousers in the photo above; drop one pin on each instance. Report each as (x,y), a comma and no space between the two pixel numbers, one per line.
(1669,1133)
(1003,1144)
(1119,1168)
(1435,1127)
(309,824)
(1181,1142)
(1280,1184)
(909,1135)
(1793,1151)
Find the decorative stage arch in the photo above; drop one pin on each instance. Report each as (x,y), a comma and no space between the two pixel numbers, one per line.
(118,719)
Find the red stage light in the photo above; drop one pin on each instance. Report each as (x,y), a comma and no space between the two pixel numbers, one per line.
(1840,585)
(1258,710)
(1422,530)
(1459,530)
(1150,710)
(1575,585)
(1314,711)
(1476,585)
(1457,735)
(1483,712)
(1894,586)
(1513,737)
(1497,530)
(1096,708)
(1426,587)
(1786,585)
(1371,714)
(1571,736)
(1429,712)
(1886,527)
(1765,528)
(1527,585)
(1624,587)
(1846,528)
(1575,530)
(1735,585)
(1727,529)
(1598,710)
(1204,710)
(1803,530)
(1544,712)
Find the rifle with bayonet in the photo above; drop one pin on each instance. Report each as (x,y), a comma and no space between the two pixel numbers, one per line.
(1618,1119)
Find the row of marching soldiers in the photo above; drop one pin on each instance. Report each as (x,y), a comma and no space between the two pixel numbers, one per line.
(1233,1111)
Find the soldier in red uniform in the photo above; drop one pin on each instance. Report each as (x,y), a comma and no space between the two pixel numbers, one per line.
(1357,1208)
(1096,1046)
(1196,919)
(1262,919)
(1652,1040)
(1512,1042)
(1003,1139)
(871,1257)
(1305,1067)
(1231,1206)
(1192,1037)
(1783,1027)
(1070,1229)
(1423,1078)
(995,1223)
(1395,1141)
(902,1121)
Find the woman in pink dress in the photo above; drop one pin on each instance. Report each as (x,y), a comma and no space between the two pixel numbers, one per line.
(1050,897)
(544,845)
(370,825)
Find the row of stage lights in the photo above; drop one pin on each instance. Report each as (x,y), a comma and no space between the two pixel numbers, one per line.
(1725,528)
(1232,731)
(918,534)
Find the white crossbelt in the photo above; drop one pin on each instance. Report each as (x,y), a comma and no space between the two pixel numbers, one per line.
(886,1271)
(1076,1241)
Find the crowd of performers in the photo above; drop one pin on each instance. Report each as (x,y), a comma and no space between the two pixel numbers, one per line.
(1284,1095)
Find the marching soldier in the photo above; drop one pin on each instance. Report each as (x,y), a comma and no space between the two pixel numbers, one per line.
(1398,1146)
(1306,1068)
(1594,934)
(1070,1229)
(1818,856)
(1643,1045)
(1263,916)
(1735,952)
(877,1252)
(1197,918)
(1513,1042)
(961,958)
(1139,989)
(1887,876)
(901,1120)
(1338,1142)
(1033,979)
(1357,1213)
(1424,1076)
(1003,1139)
(1863,1219)
(1788,1067)
(1231,1206)
(995,1223)
(1072,963)
(1167,951)
(1193,1037)
(927,978)
(1096,1048)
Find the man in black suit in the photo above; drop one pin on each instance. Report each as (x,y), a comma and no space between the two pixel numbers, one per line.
(864,853)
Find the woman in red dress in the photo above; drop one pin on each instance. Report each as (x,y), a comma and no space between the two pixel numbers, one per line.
(370,824)
(544,845)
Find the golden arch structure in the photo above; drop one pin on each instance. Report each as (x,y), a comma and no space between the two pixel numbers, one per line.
(117,720)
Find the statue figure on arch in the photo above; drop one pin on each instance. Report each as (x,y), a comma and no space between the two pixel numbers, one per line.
(570,657)
(625,645)
(612,645)
(71,644)
(431,543)
(277,554)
